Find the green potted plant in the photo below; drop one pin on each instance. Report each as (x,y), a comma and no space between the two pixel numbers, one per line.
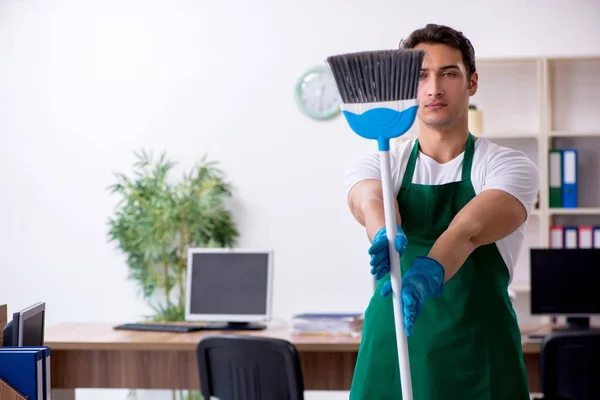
(156,220)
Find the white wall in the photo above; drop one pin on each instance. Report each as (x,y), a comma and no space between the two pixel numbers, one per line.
(84,83)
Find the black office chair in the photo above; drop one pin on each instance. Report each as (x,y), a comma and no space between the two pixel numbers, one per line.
(570,366)
(233,367)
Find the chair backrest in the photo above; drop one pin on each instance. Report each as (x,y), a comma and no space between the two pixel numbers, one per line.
(570,365)
(238,367)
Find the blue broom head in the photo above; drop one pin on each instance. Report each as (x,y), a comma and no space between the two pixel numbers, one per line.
(378,91)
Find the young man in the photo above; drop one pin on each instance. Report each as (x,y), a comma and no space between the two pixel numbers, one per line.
(462,207)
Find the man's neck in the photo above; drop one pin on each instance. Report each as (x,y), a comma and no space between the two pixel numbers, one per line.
(442,145)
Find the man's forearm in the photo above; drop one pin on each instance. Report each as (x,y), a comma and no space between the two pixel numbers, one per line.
(374,216)
(366,204)
(452,248)
(487,218)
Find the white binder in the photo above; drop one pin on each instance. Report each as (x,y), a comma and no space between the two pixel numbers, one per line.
(586,239)
(556,237)
(571,237)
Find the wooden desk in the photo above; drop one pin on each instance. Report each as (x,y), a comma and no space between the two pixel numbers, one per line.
(94,355)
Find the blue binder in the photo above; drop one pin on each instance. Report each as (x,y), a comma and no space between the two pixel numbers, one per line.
(23,369)
(47,380)
(569,187)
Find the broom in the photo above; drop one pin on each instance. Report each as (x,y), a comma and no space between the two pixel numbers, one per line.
(379,100)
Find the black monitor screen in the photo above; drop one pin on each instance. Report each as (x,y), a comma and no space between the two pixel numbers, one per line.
(565,281)
(229,283)
(33,329)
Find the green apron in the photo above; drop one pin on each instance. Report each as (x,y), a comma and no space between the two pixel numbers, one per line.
(466,344)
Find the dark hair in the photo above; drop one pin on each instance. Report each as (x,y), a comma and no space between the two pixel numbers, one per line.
(442,34)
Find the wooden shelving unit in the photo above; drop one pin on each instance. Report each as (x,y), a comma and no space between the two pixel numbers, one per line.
(3,321)
(535,104)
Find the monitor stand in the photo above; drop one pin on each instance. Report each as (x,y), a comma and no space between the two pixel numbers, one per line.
(235,326)
(575,324)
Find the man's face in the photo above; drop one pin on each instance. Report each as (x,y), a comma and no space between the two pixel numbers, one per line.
(444,89)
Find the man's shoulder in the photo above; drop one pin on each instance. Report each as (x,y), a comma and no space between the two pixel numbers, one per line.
(491,154)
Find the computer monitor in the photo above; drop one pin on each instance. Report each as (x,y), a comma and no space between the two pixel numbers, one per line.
(565,282)
(27,327)
(229,287)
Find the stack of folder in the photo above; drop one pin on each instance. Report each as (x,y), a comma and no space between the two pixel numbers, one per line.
(26,370)
(562,177)
(327,324)
(575,237)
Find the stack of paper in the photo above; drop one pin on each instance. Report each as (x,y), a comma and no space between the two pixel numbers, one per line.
(327,324)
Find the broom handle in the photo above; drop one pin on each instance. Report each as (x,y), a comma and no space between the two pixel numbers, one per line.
(390,226)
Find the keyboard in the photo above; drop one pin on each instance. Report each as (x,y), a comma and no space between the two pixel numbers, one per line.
(155,327)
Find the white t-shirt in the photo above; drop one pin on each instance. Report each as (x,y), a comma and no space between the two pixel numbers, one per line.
(494,167)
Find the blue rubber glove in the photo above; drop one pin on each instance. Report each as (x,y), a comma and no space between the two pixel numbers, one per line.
(380,254)
(424,279)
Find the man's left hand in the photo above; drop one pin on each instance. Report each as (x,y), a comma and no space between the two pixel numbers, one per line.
(424,279)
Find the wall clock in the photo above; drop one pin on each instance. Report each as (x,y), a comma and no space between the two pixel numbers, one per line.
(316,93)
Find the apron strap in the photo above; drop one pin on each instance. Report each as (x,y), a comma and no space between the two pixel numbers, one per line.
(466,168)
(468,158)
(410,166)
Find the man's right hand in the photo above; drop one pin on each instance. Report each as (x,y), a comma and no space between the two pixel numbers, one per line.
(379,251)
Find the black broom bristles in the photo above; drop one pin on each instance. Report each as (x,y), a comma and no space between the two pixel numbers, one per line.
(375,76)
